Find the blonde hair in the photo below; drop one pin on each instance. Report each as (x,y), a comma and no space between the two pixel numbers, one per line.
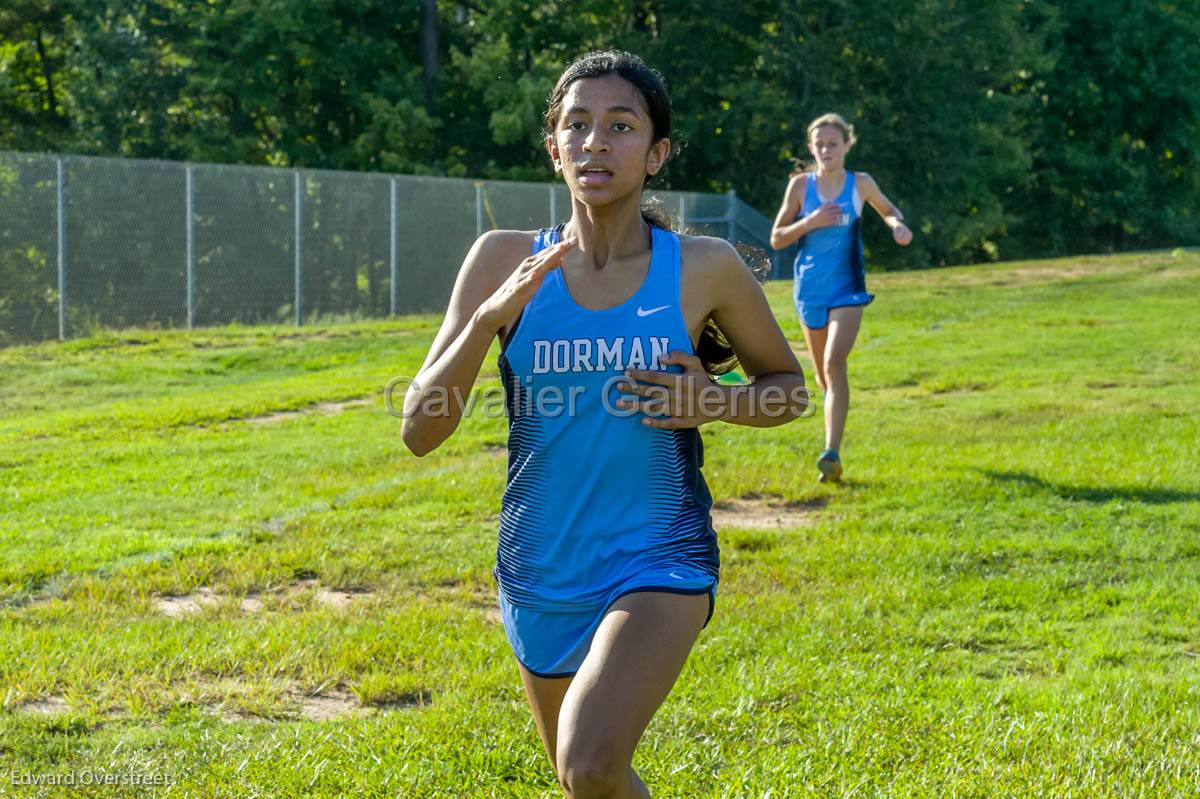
(833,120)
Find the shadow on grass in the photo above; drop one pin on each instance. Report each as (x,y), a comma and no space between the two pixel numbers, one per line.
(1098,494)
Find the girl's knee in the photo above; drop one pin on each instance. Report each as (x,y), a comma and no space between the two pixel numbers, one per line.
(592,780)
(835,366)
(591,772)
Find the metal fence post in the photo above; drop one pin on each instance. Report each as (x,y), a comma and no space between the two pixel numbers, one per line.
(299,254)
(191,252)
(239,244)
(731,201)
(62,246)
(478,209)
(394,234)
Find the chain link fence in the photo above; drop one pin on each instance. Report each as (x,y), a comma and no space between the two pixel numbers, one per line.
(90,243)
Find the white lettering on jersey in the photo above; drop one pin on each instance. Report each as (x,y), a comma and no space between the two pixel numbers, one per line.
(609,358)
(637,356)
(598,355)
(561,349)
(541,357)
(583,354)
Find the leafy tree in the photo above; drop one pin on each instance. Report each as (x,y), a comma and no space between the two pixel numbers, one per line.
(1003,129)
(1116,134)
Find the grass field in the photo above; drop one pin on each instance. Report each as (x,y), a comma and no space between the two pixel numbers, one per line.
(217,567)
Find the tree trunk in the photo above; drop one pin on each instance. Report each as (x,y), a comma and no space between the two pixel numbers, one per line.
(429,48)
(51,99)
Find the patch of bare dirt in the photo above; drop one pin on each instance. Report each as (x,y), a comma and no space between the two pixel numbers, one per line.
(177,607)
(765,513)
(321,409)
(331,703)
(181,606)
(251,604)
(1176,272)
(339,702)
(235,701)
(51,707)
(232,701)
(337,598)
(1067,271)
(46,706)
(316,335)
(296,594)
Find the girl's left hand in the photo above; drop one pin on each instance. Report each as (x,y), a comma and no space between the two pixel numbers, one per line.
(902,234)
(688,399)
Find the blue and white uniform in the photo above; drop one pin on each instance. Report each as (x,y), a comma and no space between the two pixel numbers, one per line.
(830,271)
(597,505)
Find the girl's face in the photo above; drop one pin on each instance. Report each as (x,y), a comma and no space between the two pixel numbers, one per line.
(603,142)
(828,146)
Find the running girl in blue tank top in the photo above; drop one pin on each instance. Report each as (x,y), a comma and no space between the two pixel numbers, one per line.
(610,329)
(822,209)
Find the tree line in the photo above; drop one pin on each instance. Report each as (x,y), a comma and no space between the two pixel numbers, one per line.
(1004,128)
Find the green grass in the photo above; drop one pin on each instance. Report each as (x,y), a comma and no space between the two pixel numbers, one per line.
(1000,601)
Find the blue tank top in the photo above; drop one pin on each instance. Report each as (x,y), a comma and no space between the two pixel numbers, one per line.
(594,496)
(836,249)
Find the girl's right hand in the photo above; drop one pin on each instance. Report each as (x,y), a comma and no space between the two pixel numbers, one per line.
(516,292)
(828,215)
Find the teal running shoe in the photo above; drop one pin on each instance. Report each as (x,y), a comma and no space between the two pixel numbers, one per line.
(830,466)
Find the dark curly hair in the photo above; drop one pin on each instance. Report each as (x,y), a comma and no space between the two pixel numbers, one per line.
(713,349)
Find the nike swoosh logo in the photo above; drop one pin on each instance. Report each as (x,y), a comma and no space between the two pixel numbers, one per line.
(643,312)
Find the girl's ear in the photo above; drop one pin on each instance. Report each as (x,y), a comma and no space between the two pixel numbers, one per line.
(552,148)
(660,151)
